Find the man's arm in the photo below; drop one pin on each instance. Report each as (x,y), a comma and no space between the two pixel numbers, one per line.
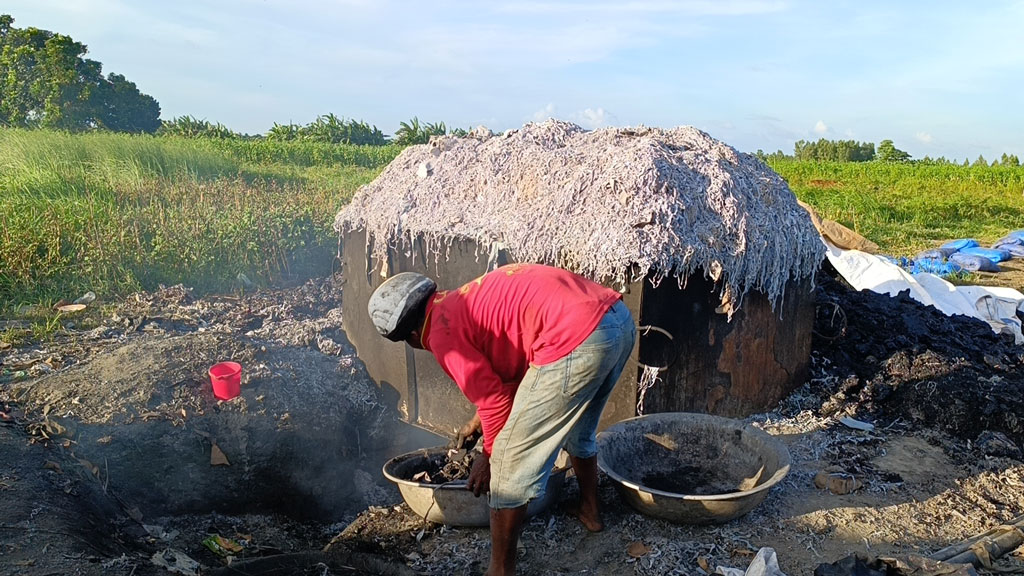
(474,375)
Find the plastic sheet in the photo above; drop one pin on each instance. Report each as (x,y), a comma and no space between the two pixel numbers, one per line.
(995,305)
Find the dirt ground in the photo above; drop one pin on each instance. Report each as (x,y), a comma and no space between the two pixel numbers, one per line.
(118,459)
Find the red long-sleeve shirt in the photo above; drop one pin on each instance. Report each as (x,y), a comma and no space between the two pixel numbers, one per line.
(487,333)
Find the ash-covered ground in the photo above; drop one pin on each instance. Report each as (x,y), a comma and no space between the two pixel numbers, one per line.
(108,430)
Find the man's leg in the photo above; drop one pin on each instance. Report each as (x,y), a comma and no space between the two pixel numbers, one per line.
(586,477)
(617,335)
(505,526)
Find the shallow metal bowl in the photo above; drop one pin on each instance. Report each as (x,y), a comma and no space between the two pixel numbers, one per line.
(691,468)
(452,504)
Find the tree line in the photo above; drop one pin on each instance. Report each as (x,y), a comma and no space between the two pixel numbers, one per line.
(852,151)
(325,129)
(46,82)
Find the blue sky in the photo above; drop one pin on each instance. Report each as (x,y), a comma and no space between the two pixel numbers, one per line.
(938,78)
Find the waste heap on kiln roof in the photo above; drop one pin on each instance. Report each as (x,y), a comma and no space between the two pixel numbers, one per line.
(614,205)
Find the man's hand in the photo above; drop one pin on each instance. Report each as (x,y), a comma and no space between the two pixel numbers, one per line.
(469,434)
(480,475)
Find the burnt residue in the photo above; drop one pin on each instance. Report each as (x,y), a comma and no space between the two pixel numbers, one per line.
(433,467)
(691,454)
(897,359)
(695,480)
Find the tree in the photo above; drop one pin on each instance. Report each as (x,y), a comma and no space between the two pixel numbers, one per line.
(288,131)
(980,161)
(116,104)
(887,152)
(774,156)
(329,129)
(191,127)
(834,151)
(45,81)
(1009,160)
(413,132)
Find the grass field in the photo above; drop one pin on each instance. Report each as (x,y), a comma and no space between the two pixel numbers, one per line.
(114,213)
(906,208)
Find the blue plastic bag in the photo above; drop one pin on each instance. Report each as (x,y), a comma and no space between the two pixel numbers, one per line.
(993,254)
(1016,249)
(974,263)
(1016,234)
(957,245)
(934,266)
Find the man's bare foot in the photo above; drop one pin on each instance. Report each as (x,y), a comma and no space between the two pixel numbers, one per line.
(591,520)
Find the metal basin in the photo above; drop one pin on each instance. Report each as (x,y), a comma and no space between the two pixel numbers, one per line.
(452,504)
(691,468)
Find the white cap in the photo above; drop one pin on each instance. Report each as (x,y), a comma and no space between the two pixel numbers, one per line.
(393,304)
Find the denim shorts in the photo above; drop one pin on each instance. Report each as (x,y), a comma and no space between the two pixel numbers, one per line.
(558,405)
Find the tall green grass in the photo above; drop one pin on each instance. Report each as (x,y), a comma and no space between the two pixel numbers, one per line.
(305,154)
(60,165)
(905,208)
(113,213)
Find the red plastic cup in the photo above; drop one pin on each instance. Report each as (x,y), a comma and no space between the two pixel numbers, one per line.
(226,378)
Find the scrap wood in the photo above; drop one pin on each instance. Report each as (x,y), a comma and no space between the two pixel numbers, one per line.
(965,546)
(982,553)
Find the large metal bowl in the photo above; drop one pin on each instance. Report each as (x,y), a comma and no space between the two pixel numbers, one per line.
(452,504)
(691,468)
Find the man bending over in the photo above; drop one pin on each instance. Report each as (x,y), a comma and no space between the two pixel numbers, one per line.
(537,350)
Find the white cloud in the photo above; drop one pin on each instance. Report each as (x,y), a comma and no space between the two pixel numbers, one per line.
(820,127)
(592,118)
(544,113)
(923,137)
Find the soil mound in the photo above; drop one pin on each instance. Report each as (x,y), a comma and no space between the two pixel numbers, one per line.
(896,360)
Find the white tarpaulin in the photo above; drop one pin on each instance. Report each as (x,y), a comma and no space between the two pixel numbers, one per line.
(995,305)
